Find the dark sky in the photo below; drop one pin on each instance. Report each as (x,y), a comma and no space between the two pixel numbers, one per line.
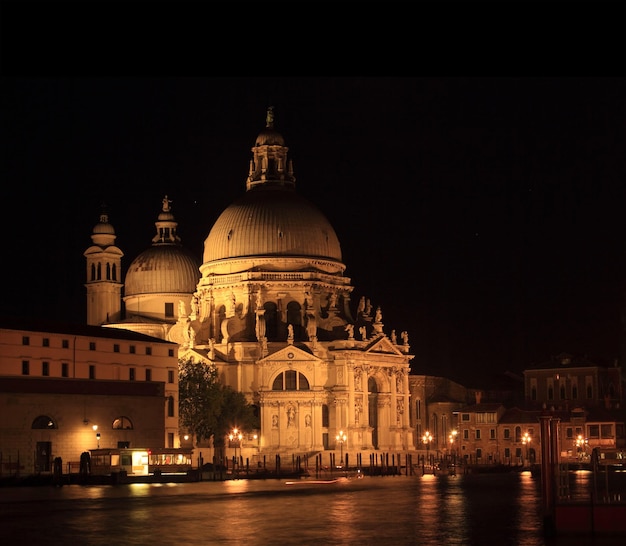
(486,216)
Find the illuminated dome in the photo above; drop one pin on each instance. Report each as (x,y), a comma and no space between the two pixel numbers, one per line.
(162,269)
(165,267)
(103,227)
(270,137)
(271,221)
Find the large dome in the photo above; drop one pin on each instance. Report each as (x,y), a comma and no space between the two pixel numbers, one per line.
(271,227)
(163,269)
(272,221)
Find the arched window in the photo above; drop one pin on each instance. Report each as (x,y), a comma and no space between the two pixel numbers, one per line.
(294,317)
(43,422)
(371,385)
(290,380)
(122,423)
(325,415)
(271,320)
(93,272)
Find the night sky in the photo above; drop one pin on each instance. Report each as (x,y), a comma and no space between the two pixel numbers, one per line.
(485,216)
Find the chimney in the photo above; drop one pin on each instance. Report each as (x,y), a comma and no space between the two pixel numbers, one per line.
(478,395)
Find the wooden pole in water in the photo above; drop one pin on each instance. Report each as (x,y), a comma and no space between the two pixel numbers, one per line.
(547,475)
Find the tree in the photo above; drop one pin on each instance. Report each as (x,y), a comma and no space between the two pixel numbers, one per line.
(207,408)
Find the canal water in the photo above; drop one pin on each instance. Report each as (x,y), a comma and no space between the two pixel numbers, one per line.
(473,509)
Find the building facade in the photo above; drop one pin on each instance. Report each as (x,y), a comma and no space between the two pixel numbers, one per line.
(269,306)
(65,389)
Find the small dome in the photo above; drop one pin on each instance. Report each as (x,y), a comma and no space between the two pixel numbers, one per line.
(269,221)
(166,216)
(269,137)
(163,269)
(103,229)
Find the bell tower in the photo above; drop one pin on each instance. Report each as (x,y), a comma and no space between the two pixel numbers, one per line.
(104,274)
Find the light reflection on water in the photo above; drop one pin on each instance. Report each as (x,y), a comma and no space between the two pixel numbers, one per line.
(427,510)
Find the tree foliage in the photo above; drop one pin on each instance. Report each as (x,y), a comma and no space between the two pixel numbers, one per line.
(207,408)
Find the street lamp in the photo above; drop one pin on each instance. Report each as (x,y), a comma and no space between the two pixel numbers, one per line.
(581,446)
(235,436)
(526,440)
(427,438)
(452,439)
(341,438)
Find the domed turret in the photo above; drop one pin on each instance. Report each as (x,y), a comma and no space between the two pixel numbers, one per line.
(271,220)
(272,261)
(163,274)
(162,269)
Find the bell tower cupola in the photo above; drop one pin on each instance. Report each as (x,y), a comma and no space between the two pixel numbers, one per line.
(269,164)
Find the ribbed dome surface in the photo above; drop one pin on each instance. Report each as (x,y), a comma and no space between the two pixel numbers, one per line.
(163,268)
(271,221)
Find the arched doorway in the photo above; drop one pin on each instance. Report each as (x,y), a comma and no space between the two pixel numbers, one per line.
(372,397)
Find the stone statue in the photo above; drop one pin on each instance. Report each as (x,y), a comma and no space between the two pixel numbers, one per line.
(350,329)
(311,326)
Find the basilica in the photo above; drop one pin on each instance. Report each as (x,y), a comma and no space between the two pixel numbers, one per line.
(270,307)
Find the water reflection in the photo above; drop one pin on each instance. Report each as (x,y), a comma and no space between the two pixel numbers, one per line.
(428,510)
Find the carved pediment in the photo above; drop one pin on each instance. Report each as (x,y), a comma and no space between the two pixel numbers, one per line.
(199,355)
(382,345)
(291,353)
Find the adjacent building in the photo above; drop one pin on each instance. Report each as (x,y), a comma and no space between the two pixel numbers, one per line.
(66,389)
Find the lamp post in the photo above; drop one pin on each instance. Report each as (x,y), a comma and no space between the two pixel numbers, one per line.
(235,437)
(526,440)
(581,446)
(341,438)
(426,439)
(452,439)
